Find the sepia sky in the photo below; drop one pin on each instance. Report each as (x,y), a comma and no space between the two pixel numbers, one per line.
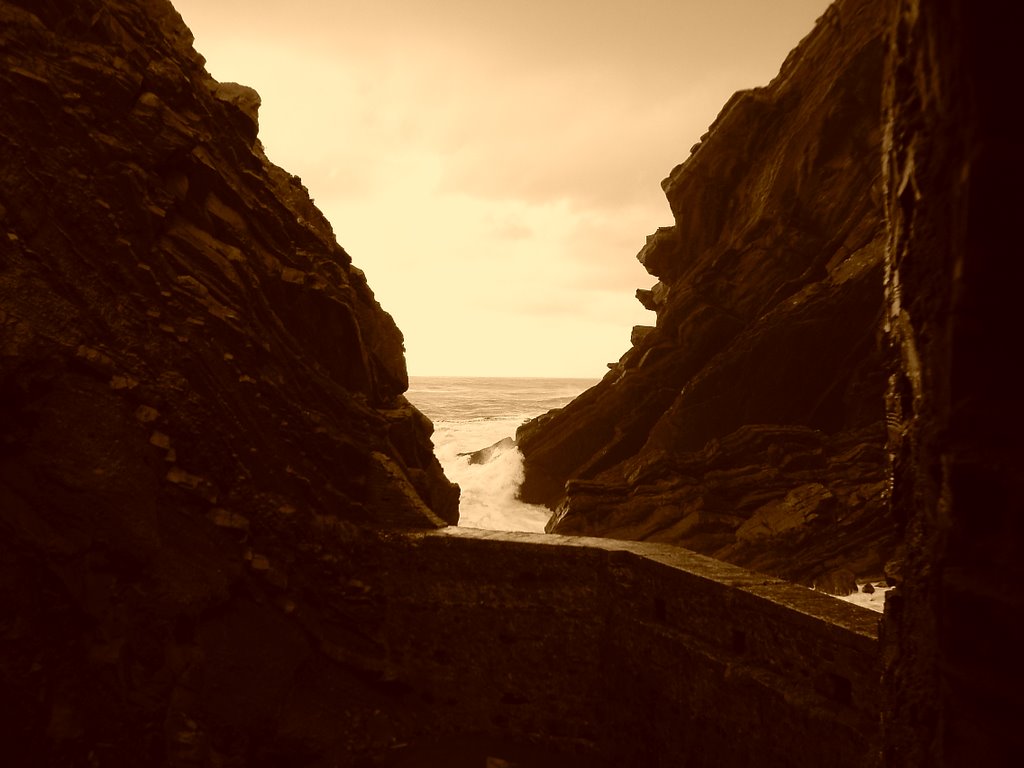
(494,167)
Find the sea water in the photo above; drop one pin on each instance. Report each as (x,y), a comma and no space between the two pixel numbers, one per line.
(474,413)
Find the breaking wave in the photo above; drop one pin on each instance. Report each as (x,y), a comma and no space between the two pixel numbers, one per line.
(470,414)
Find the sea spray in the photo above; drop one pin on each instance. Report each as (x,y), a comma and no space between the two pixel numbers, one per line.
(470,414)
(489,488)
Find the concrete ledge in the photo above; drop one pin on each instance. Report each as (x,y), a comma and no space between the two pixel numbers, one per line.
(629,653)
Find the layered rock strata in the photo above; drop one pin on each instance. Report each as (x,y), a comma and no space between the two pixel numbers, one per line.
(748,423)
(201,409)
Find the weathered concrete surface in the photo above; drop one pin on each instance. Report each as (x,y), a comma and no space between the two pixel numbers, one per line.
(627,653)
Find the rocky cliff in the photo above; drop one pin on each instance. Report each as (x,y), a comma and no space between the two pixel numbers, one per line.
(201,409)
(748,423)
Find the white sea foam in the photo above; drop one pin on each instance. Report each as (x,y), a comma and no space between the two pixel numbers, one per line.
(488,490)
(873,600)
(470,414)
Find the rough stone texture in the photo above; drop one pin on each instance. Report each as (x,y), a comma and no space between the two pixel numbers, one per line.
(201,413)
(651,655)
(765,374)
(953,630)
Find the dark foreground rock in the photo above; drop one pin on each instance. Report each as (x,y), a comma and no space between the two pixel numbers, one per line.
(201,414)
(953,633)
(749,423)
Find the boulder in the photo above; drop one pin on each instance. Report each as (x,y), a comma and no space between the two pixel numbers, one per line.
(484,455)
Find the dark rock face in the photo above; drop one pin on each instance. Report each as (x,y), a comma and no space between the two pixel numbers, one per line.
(952,629)
(201,409)
(749,424)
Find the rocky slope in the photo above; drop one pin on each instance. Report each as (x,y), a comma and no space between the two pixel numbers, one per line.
(201,411)
(749,422)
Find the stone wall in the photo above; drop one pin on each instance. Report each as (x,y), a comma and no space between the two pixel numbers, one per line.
(625,653)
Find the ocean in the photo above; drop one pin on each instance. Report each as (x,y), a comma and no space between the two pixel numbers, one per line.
(474,413)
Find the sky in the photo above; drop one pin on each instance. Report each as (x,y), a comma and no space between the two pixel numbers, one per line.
(495,167)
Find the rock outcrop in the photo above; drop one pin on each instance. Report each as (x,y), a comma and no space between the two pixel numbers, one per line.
(201,412)
(749,423)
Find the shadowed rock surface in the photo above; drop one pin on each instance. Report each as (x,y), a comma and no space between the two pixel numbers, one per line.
(201,412)
(749,423)
(953,668)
